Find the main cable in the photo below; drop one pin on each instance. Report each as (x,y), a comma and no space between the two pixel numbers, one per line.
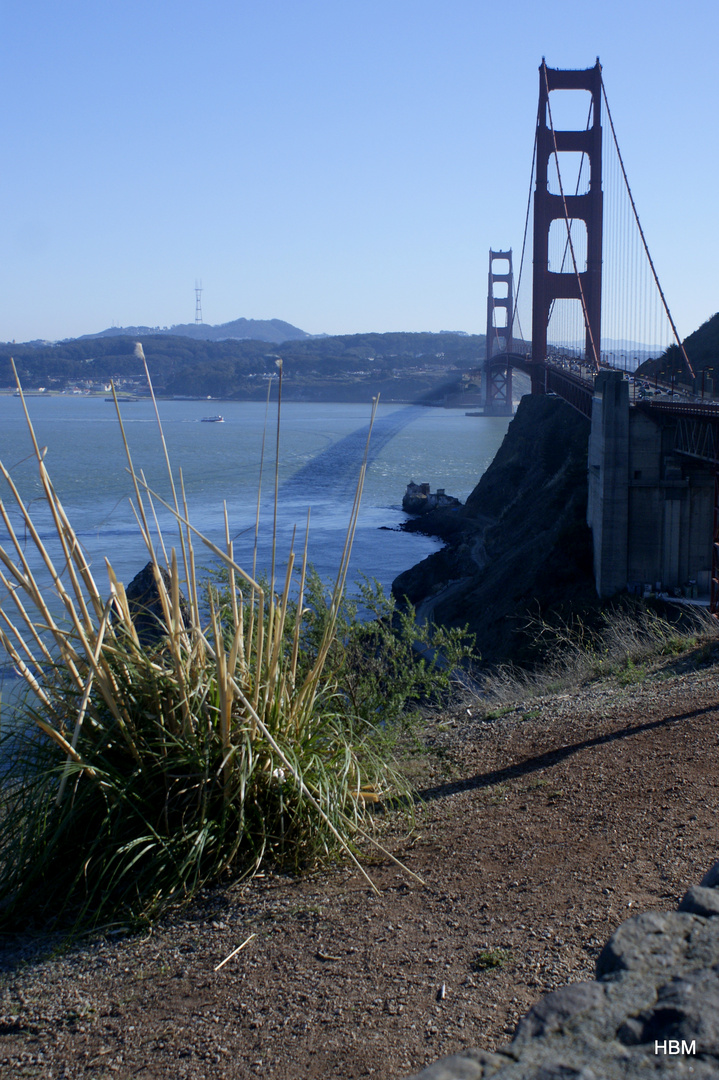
(515,312)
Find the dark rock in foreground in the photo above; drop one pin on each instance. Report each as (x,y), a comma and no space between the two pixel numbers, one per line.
(653,1011)
(146,610)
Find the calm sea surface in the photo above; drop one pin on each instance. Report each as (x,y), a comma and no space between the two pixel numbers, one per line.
(321,448)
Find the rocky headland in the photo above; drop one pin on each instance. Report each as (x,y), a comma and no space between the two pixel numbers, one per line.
(519,548)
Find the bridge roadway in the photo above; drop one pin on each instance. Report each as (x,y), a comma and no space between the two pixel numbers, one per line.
(578,390)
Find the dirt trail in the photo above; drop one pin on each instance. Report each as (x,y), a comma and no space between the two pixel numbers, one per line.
(539,834)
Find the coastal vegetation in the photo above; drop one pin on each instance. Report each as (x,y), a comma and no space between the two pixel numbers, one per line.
(624,644)
(249,723)
(702,349)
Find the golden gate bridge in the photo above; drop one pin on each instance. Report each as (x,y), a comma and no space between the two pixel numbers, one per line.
(597,311)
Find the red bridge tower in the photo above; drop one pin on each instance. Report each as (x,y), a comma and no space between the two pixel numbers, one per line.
(500,312)
(585,283)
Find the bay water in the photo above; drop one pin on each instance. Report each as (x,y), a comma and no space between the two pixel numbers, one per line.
(320,453)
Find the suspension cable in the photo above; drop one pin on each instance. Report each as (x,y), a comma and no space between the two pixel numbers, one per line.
(515,313)
(683,351)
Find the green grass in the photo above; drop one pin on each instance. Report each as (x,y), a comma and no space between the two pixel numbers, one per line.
(631,673)
(489,959)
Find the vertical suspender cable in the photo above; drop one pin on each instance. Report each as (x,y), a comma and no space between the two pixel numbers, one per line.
(644,242)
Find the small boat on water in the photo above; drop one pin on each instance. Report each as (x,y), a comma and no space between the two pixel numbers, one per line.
(213,419)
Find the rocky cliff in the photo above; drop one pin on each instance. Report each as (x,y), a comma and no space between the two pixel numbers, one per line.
(520,546)
(653,1010)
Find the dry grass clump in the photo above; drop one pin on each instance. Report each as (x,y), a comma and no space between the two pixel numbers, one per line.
(626,644)
(137,772)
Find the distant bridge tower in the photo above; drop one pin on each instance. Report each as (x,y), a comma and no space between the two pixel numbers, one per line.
(500,309)
(584,286)
(198,302)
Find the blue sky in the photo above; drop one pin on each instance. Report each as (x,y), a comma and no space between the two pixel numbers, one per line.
(342,165)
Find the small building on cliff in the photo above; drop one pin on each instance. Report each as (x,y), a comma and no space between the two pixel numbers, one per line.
(418,499)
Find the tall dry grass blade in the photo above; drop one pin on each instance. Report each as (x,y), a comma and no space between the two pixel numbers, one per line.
(27,581)
(54,734)
(177,625)
(225,694)
(174,639)
(281,611)
(144,527)
(158,530)
(277,476)
(250,628)
(231,572)
(299,613)
(71,657)
(62,527)
(140,352)
(13,591)
(21,644)
(27,675)
(193,596)
(85,701)
(40,547)
(237,651)
(122,604)
(259,658)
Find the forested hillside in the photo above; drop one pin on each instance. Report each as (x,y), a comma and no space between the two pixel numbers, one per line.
(702,348)
(235,368)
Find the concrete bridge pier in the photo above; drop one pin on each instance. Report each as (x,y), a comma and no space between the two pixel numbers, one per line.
(608,481)
(650,499)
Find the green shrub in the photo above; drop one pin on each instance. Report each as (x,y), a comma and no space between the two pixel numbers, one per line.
(487,959)
(384,663)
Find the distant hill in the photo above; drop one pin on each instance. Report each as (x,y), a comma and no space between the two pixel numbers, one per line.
(702,348)
(274,330)
(353,367)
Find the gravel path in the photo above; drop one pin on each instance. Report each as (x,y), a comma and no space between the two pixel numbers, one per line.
(539,833)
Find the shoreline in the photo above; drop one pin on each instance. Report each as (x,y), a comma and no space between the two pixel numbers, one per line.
(260,400)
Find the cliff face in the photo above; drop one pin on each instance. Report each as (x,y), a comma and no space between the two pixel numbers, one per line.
(520,546)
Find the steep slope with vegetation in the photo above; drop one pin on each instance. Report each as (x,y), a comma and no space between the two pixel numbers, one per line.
(702,348)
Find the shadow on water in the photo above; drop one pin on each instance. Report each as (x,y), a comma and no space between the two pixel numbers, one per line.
(334,471)
(329,478)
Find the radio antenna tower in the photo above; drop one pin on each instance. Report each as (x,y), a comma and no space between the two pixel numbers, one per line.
(198,302)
